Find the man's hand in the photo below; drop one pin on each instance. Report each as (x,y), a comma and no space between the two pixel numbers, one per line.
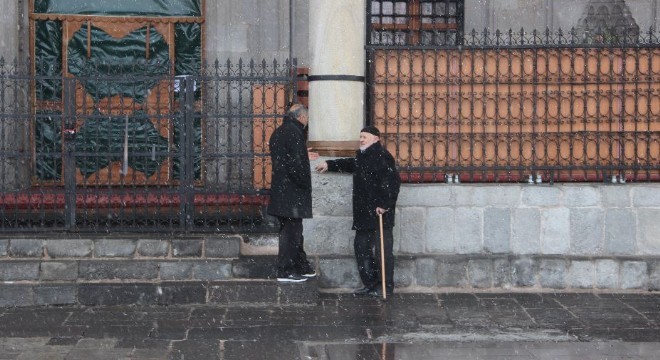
(380,211)
(312,155)
(322,167)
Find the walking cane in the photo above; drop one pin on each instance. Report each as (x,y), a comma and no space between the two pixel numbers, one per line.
(382,257)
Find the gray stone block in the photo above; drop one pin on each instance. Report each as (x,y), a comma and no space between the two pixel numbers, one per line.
(620,232)
(69,248)
(187,248)
(19,270)
(264,244)
(114,247)
(440,230)
(581,195)
(412,227)
(648,237)
(153,248)
(587,231)
(306,293)
(634,275)
(541,196)
(26,248)
(552,273)
(328,235)
(426,272)
(526,226)
(607,274)
(497,230)
(555,231)
(501,273)
(523,273)
(223,246)
(339,273)
(404,272)
(616,196)
(59,270)
(647,195)
(16,295)
(468,225)
(479,273)
(581,274)
(210,270)
(485,195)
(176,270)
(452,272)
(331,194)
(4,245)
(243,292)
(654,275)
(122,270)
(425,195)
(63,294)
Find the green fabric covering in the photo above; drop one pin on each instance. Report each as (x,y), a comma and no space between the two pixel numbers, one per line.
(48,143)
(48,54)
(120,7)
(188,48)
(112,57)
(102,139)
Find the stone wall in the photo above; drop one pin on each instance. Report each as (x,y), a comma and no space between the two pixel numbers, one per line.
(507,236)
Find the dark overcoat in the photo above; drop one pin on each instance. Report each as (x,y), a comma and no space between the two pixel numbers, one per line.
(376,183)
(291,186)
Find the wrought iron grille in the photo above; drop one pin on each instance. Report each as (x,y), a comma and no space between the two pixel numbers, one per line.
(147,152)
(519,107)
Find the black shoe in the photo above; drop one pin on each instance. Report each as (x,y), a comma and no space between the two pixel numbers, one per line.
(363,291)
(292,278)
(378,292)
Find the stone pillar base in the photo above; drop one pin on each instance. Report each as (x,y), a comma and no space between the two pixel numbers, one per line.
(334,148)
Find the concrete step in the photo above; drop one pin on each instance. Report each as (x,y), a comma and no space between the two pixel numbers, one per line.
(234,292)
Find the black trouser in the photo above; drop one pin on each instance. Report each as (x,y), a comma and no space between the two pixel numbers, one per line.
(367,255)
(291,257)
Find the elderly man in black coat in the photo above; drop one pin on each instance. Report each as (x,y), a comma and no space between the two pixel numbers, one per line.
(376,183)
(291,193)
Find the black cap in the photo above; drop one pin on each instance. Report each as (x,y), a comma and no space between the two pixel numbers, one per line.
(371,130)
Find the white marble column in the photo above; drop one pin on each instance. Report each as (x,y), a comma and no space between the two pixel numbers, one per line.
(337,70)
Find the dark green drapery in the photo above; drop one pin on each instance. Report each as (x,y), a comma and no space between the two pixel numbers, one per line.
(120,7)
(104,137)
(115,67)
(118,66)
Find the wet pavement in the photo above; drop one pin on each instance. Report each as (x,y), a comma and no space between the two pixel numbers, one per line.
(340,326)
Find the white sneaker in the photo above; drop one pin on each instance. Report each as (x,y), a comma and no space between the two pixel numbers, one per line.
(291,278)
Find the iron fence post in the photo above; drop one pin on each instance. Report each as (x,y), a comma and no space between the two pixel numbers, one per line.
(69,147)
(187,151)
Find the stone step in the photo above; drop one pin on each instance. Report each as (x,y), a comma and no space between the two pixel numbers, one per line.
(245,292)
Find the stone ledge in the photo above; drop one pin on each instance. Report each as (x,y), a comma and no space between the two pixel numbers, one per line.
(227,293)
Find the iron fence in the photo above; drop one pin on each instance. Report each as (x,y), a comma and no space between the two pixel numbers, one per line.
(520,107)
(139,151)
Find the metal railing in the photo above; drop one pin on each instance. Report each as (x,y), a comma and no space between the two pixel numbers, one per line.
(140,152)
(519,107)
